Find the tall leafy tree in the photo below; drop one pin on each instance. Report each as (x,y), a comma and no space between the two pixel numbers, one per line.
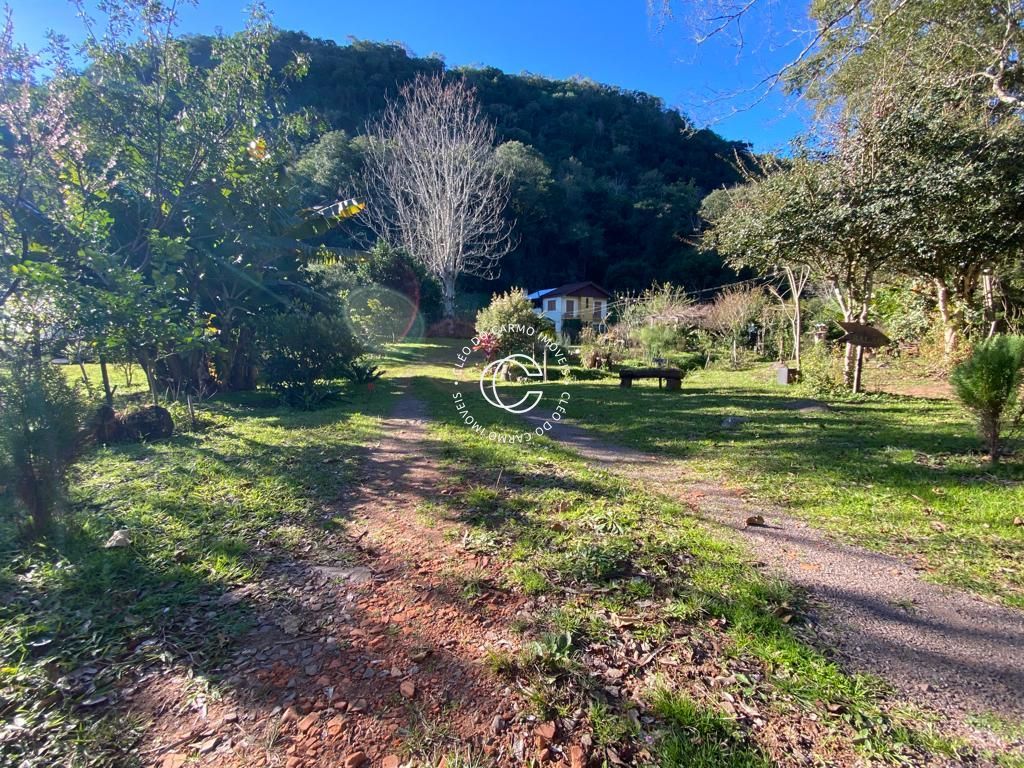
(160,176)
(956,179)
(821,214)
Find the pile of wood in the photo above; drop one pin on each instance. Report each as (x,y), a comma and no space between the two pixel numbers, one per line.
(150,422)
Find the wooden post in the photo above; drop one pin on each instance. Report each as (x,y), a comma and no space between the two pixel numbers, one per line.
(108,395)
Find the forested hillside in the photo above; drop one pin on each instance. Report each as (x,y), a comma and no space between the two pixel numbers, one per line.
(607,182)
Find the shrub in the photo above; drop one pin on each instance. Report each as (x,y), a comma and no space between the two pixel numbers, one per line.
(359,372)
(578,373)
(599,350)
(989,383)
(685,361)
(150,422)
(821,372)
(731,315)
(40,422)
(490,344)
(906,314)
(659,339)
(303,354)
(510,317)
(660,305)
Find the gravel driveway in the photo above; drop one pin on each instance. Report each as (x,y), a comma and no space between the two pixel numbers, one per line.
(943,647)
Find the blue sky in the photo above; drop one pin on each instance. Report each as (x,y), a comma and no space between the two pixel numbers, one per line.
(611,41)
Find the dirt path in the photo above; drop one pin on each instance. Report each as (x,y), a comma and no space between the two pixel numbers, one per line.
(943,647)
(366,639)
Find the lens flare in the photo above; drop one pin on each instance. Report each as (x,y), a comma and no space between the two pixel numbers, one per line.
(379,315)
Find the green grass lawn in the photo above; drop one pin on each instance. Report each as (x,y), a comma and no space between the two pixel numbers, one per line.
(898,474)
(594,546)
(207,509)
(204,511)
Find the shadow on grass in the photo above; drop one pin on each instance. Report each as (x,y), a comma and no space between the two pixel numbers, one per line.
(850,441)
(206,513)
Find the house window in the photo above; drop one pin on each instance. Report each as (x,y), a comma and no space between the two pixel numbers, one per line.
(597,308)
(552,305)
(570,307)
(586,302)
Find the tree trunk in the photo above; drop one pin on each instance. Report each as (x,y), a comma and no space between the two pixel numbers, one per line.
(858,370)
(858,365)
(990,426)
(853,356)
(797,323)
(988,287)
(108,395)
(849,358)
(952,319)
(147,368)
(448,295)
(241,376)
(39,509)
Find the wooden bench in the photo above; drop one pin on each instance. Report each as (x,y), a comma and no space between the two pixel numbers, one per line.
(673,377)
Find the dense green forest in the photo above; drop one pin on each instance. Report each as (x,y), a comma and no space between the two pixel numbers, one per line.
(607,182)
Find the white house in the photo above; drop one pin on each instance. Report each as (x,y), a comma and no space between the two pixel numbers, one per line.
(586,302)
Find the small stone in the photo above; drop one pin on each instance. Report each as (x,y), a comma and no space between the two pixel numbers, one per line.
(117,540)
(546,731)
(390,761)
(519,748)
(359,705)
(174,760)
(498,725)
(732,422)
(419,656)
(1018,521)
(407,688)
(209,745)
(577,757)
(355,760)
(307,723)
(290,715)
(544,755)
(335,726)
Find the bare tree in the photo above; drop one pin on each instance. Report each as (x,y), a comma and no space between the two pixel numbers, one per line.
(434,187)
(797,277)
(732,313)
